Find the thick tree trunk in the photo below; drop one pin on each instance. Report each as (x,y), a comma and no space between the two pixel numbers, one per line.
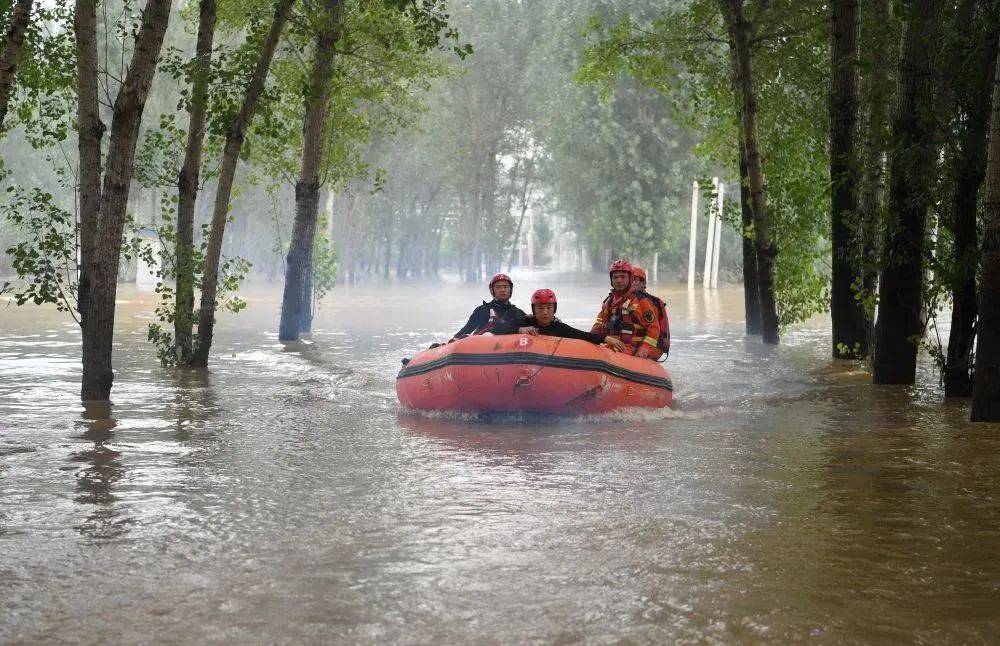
(227,172)
(106,241)
(90,131)
(740,31)
(972,101)
(986,389)
(751,281)
(19,20)
(900,324)
(878,97)
(188,181)
(294,309)
(850,328)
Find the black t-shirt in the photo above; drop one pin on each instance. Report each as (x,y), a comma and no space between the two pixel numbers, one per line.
(481,316)
(555,328)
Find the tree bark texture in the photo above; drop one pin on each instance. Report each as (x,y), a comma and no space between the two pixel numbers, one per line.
(188,181)
(90,132)
(106,242)
(227,172)
(751,282)
(740,33)
(911,174)
(751,279)
(295,308)
(986,389)
(972,101)
(19,20)
(850,327)
(877,97)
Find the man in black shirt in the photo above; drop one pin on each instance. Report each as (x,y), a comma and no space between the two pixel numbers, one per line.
(544,322)
(500,310)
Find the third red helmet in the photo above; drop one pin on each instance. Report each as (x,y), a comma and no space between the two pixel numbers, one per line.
(543,296)
(639,272)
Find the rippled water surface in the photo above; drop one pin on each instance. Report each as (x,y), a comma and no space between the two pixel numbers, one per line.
(285,497)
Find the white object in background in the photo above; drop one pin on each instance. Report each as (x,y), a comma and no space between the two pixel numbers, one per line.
(720,190)
(709,244)
(145,273)
(692,249)
(656,266)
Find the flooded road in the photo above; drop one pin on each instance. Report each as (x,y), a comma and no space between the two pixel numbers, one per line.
(285,497)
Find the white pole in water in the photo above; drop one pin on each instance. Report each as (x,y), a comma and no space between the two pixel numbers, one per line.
(692,249)
(656,266)
(709,244)
(720,188)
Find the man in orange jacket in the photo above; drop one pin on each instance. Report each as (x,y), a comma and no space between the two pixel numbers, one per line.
(628,317)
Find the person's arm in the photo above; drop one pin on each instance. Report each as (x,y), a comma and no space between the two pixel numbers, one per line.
(511,326)
(477,319)
(558,328)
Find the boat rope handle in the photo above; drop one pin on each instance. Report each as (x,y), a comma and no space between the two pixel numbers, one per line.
(528,380)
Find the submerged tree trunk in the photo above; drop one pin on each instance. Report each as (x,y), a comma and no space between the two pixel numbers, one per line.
(900,323)
(294,306)
(13,40)
(972,101)
(765,246)
(850,328)
(227,172)
(187,184)
(986,389)
(105,241)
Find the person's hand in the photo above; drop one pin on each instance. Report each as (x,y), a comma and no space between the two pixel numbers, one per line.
(643,352)
(615,343)
(533,331)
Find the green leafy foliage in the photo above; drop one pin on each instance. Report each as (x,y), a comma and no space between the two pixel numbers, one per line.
(45,259)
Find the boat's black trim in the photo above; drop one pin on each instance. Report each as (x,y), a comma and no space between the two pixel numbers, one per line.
(529,358)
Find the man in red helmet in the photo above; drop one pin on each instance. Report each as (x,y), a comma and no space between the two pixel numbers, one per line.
(544,322)
(628,317)
(487,316)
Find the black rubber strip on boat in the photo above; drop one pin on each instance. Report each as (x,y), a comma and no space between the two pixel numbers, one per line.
(534,359)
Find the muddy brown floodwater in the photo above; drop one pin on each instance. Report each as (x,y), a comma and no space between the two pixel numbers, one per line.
(285,497)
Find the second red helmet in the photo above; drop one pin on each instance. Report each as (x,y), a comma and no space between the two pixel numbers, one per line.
(542,296)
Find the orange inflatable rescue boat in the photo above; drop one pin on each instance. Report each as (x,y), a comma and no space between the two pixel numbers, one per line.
(518,372)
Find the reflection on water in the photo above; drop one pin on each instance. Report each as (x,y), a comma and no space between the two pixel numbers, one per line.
(101,469)
(284,496)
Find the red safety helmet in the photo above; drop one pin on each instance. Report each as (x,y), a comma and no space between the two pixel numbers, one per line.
(542,296)
(639,272)
(619,265)
(496,279)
